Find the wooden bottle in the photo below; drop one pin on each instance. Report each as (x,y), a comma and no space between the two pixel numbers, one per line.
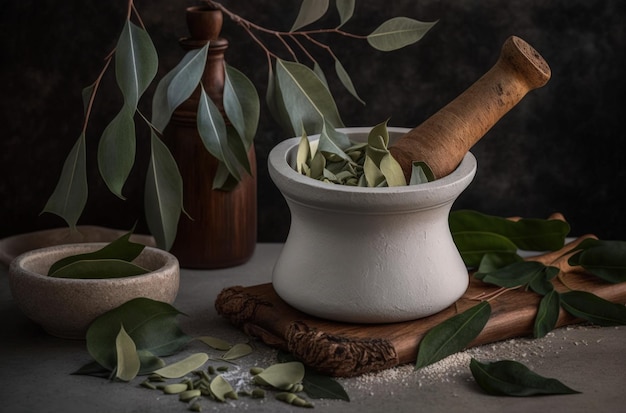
(222,230)
(443,139)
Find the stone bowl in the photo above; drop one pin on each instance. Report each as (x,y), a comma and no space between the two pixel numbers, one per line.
(65,307)
(368,255)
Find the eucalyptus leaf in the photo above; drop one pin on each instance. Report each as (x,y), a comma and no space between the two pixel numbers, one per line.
(241,104)
(163,195)
(99,269)
(604,259)
(212,130)
(183,367)
(514,275)
(590,307)
(547,314)
(94,369)
(345,8)
(149,362)
(276,104)
(392,171)
(398,32)
(237,351)
(319,386)
(151,324)
(309,101)
(329,144)
(541,283)
(238,148)
(127,358)
(177,85)
(116,151)
(303,156)
(136,63)
(223,180)
(281,375)
(310,12)
(473,245)
(527,234)
(346,81)
(452,335)
(421,173)
(70,194)
(510,378)
(373,175)
(221,389)
(317,69)
(493,261)
(215,343)
(121,248)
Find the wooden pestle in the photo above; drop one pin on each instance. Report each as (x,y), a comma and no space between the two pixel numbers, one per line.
(443,139)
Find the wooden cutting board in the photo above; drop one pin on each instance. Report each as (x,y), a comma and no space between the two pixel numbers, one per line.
(345,350)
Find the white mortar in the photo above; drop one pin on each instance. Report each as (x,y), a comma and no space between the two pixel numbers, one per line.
(368,255)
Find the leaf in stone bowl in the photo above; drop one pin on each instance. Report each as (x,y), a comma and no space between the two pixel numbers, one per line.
(510,378)
(100,269)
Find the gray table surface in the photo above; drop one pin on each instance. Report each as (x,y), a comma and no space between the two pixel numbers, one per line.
(35,367)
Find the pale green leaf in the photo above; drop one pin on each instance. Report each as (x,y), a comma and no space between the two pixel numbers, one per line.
(346,81)
(392,171)
(237,351)
(317,69)
(221,389)
(345,9)
(177,85)
(241,104)
(398,32)
(215,343)
(116,152)
(163,196)
(223,180)
(183,367)
(128,363)
(136,63)
(421,173)
(281,375)
(373,175)
(239,149)
(212,130)
(303,156)
(309,101)
(310,11)
(70,194)
(331,143)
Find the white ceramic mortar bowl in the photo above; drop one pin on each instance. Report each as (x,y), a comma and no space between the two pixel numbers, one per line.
(368,255)
(65,307)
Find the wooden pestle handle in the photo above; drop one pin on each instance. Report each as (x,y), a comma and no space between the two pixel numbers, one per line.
(443,139)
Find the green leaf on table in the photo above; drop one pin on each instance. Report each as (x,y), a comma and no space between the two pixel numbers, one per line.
(345,8)
(128,363)
(513,275)
(510,378)
(452,335)
(183,367)
(604,259)
(320,386)
(309,101)
(346,81)
(398,32)
(121,248)
(310,12)
(214,135)
(136,63)
(116,151)
(151,324)
(547,314)
(241,104)
(473,245)
(221,389)
(281,375)
(215,343)
(99,269)
(594,309)
(163,195)
(527,234)
(237,351)
(70,194)
(177,85)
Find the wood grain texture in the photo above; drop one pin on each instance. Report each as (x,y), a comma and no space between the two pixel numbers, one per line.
(345,350)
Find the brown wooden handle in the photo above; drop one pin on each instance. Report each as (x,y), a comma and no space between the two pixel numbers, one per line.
(443,139)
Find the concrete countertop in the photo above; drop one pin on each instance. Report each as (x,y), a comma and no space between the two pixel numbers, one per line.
(35,367)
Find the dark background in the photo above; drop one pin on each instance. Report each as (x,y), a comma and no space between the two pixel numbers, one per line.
(561,149)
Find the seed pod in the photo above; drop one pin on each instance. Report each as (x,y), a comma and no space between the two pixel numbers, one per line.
(293,399)
(175,388)
(195,407)
(188,395)
(148,385)
(256,370)
(258,394)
